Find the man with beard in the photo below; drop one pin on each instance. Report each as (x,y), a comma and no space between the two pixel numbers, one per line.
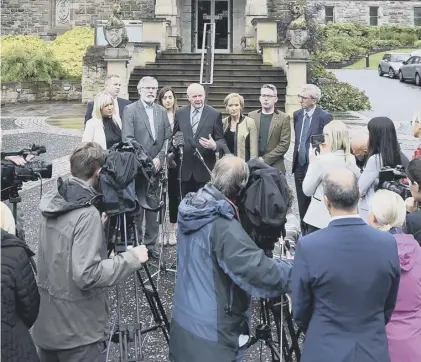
(74,273)
(146,123)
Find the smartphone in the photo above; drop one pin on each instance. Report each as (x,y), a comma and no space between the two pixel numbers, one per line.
(317,139)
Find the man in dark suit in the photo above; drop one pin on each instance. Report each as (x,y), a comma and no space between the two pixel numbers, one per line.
(273,127)
(112,86)
(147,123)
(308,121)
(345,281)
(201,126)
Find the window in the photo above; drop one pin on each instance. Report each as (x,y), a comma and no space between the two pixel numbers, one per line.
(374,15)
(417,16)
(329,18)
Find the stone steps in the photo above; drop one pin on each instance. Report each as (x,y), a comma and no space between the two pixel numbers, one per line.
(233,73)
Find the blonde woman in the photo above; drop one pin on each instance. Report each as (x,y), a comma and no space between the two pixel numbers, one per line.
(103,128)
(7,221)
(387,212)
(240,132)
(334,152)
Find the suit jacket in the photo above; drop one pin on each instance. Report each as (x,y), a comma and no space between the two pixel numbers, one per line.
(210,124)
(317,214)
(121,104)
(345,283)
(246,138)
(279,138)
(320,119)
(94,132)
(136,127)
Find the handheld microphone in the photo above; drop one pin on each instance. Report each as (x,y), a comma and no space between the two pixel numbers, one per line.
(178,142)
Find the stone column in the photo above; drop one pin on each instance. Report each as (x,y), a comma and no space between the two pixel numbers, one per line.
(254,9)
(117,59)
(168,9)
(297,60)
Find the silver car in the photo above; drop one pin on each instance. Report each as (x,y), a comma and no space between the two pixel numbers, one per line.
(411,70)
(391,63)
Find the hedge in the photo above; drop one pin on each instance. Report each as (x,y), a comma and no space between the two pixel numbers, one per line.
(342,41)
(29,58)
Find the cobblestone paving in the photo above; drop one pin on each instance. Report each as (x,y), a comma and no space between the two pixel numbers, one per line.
(18,132)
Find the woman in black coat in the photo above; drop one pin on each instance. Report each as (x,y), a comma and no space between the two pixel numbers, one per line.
(19,300)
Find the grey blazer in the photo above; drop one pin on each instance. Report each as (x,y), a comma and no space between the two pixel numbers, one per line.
(135,126)
(317,214)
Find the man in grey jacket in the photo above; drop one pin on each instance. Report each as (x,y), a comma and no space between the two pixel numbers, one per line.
(74,273)
(146,123)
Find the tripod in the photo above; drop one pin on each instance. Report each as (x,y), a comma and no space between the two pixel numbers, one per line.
(129,335)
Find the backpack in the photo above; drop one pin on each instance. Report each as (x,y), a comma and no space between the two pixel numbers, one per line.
(264,204)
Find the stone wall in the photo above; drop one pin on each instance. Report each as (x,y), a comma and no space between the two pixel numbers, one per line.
(390,12)
(50,17)
(59,90)
(94,72)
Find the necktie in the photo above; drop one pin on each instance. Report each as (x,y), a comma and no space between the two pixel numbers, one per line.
(195,121)
(302,149)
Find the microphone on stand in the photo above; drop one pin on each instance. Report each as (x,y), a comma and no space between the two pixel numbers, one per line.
(178,142)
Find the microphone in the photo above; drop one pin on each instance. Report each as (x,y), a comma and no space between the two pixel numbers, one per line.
(178,142)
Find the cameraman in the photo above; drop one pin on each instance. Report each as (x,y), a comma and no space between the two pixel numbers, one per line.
(413,219)
(74,273)
(218,268)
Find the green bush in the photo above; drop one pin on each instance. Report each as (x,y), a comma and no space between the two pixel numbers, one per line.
(417,44)
(29,58)
(336,96)
(340,97)
(70,48)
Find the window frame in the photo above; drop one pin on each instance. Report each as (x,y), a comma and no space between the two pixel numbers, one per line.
(373,17)
(417,17)
(329,18)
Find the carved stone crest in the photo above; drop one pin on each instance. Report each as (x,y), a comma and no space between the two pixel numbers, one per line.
(297,32)
(115,32)
(62,11)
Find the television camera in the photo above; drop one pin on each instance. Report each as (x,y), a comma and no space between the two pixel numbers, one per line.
(13,176)
(392,179)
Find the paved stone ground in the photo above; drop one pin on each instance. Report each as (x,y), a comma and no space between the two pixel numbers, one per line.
(19,131)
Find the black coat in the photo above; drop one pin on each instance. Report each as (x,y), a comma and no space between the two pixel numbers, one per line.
(19,300)
(413,225)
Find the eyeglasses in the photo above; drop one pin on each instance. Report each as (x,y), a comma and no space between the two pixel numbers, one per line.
(267,96)
(150,88)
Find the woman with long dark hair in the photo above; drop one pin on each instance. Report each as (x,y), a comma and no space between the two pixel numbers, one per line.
(383,150)
(168,100)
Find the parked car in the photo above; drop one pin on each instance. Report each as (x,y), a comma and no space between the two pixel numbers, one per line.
(411,70)
(391,63)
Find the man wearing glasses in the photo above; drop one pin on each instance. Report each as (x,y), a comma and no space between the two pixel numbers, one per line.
(273,127)
(147,123)
(309,120)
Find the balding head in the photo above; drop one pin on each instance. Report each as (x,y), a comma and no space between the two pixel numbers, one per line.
(359,145)
(230,175)
(340,187)
(196,95)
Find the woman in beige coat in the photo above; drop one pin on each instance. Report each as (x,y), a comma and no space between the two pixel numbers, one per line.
(103,128)
(240,132)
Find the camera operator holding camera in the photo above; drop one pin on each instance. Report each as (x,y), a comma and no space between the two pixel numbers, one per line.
(413,218)
(74,273)
(218,267)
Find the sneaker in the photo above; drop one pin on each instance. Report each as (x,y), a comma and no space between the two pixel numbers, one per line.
(172,238)
(153,252)
(162,241)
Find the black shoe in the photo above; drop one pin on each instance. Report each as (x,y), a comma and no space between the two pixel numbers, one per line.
(153,253)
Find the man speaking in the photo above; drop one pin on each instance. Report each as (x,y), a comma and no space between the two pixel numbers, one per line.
(218,268)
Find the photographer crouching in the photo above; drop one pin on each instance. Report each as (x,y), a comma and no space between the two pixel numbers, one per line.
(218,268)
(74,273)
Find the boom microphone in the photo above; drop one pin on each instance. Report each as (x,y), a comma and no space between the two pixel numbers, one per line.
(178,141)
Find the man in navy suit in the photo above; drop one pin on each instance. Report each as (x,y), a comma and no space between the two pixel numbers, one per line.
(112,86)
(345,281)
(308,121)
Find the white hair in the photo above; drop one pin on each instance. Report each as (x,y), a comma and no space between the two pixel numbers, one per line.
(195,86)
(312,90)
(7,221)
(146,80)
(389,209)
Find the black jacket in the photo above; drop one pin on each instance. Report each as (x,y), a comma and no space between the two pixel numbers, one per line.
(19,300)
